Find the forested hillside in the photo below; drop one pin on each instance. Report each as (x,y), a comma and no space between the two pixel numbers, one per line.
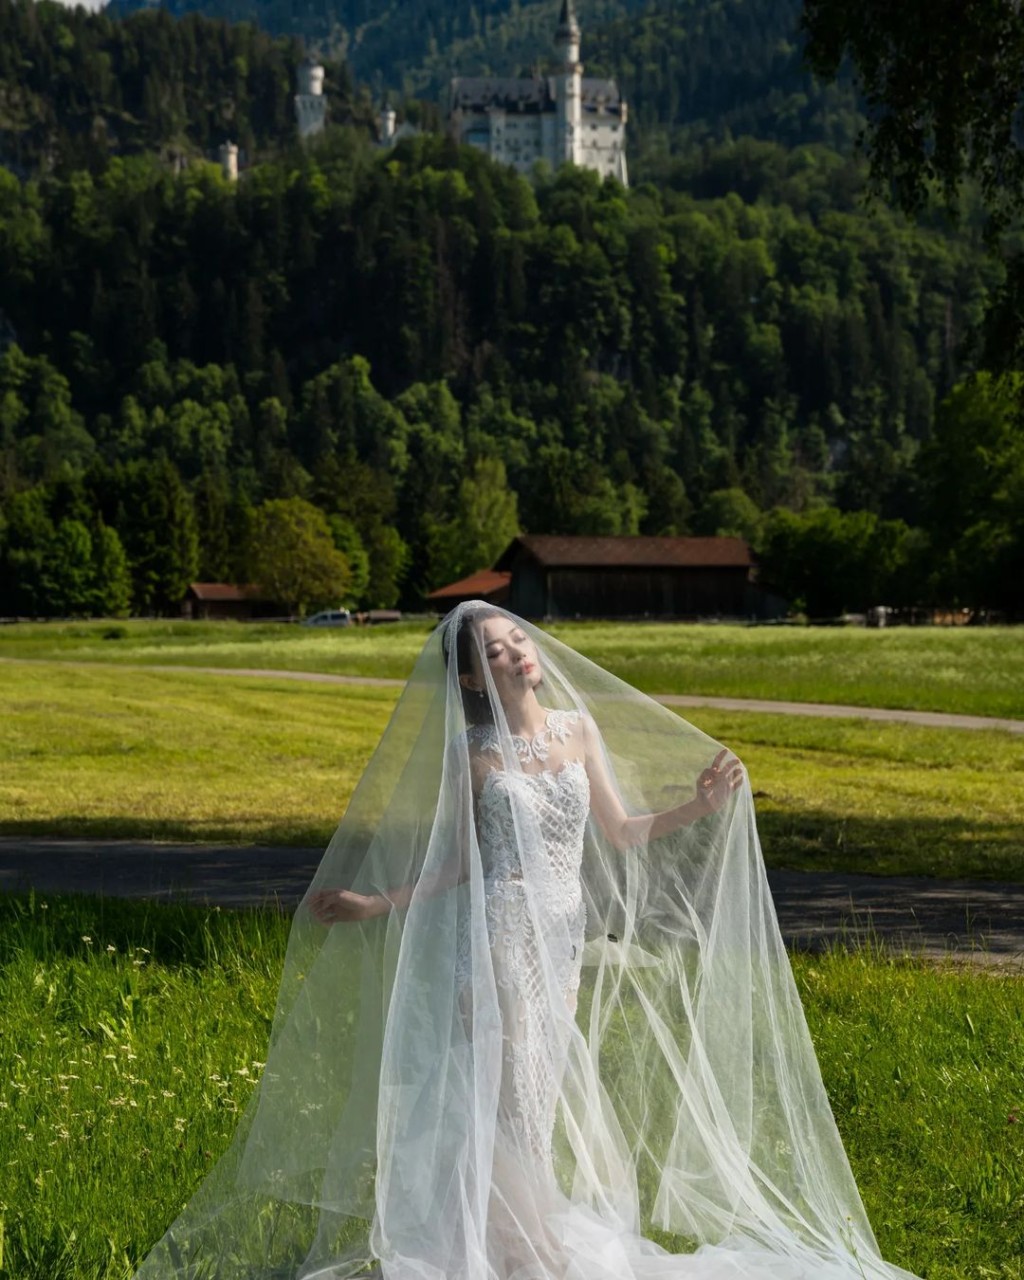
(392,338)
(77,88)
(394,361)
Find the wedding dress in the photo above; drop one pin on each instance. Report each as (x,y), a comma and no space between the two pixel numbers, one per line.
(558,800)
(557,1044)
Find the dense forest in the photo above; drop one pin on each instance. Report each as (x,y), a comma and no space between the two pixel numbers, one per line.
(392,362)
(78,88)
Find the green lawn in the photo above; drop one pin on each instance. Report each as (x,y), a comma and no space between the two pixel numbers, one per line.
(969,670)
(114,752)
(130,1036)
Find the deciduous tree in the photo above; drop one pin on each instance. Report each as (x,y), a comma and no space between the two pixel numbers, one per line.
(293,556)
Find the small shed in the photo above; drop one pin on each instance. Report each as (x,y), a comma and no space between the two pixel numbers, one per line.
(631,577)
(491,585)
(215,600)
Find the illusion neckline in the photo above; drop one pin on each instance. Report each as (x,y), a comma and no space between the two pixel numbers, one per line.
(552,775)
(558,725)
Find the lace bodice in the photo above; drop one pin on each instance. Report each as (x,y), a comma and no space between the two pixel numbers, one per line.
(535,918)
(547,810)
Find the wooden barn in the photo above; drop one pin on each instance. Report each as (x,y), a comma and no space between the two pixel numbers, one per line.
(213,600)
(632,577)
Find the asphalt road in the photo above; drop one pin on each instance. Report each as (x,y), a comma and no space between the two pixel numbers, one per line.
(980,922)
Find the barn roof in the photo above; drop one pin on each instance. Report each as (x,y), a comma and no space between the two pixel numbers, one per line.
(557,552)
(221,591)
(484,582)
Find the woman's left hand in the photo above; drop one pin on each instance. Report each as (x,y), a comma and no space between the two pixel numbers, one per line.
(717,782)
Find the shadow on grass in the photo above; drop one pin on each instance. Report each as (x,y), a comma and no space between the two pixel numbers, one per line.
(185,830)
(948,848)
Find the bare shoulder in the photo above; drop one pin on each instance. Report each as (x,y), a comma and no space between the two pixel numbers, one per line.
(591,734)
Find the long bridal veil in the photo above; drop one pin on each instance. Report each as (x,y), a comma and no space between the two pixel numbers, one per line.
(616,1085)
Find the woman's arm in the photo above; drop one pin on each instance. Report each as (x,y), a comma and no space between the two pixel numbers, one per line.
(714,787)
(345,906)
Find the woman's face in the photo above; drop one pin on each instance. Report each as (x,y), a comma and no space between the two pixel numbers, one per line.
(511,658)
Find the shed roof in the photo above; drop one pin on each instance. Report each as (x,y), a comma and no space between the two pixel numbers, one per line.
(556,552)
(484,582)
(222,591)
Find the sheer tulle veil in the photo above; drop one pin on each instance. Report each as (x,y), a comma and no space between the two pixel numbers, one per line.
(636,992)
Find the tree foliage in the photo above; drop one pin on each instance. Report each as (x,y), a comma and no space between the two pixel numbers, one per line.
(293,556)
(433,353)
(942,81)
(827,562)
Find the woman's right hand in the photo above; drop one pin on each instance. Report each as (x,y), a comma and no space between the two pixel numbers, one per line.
(344,906)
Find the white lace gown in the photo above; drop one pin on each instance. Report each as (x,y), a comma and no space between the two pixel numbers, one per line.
(535,942)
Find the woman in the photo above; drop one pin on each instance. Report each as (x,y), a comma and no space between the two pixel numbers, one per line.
(535,1008)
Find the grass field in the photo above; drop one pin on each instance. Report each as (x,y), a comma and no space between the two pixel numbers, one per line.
(131,1035)
(138,1031)
(976,671)
(112,752)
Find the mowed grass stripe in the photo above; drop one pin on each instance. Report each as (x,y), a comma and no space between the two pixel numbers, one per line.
(972,671)
(114,752)
(155,756)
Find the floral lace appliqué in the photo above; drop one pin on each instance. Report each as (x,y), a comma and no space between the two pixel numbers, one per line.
(558,727)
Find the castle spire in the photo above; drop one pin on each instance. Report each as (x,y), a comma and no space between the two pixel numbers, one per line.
(567,19)
(567,33)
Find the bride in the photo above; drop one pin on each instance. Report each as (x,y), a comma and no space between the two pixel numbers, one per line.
(535,1012)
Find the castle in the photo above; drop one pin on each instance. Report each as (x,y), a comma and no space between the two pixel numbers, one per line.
(310,103)
(561,118)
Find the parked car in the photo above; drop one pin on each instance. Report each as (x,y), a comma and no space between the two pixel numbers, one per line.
(328,618)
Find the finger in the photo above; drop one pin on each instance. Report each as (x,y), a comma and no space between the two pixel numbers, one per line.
(719,758)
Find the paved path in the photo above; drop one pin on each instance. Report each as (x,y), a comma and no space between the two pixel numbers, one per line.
(981,922)
(830,710)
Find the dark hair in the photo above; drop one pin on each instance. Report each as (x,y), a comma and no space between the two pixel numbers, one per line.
(476,704)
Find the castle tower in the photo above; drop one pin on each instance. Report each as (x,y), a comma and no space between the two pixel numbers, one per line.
(228,155)
(310,103)
(568,87)
(386,122)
